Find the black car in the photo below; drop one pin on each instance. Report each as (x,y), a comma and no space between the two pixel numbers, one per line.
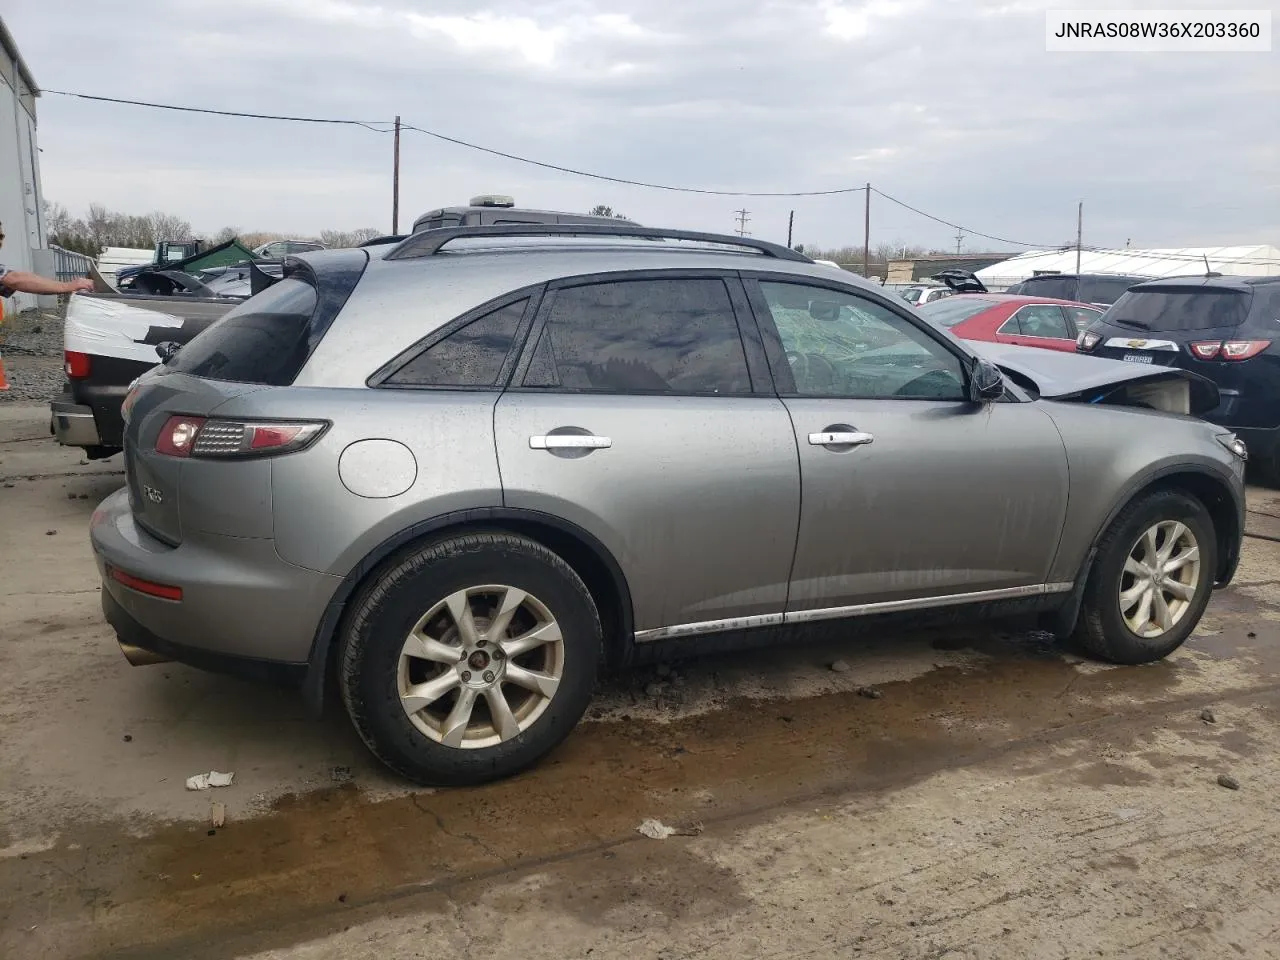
(1224,328)
(1102,289)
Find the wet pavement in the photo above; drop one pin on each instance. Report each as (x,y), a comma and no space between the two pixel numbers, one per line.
(103,853)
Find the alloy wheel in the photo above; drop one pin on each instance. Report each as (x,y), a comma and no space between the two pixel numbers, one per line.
(1160,579)
(481,666)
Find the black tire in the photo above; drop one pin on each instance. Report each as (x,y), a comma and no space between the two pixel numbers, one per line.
(1101,630)
(384,613)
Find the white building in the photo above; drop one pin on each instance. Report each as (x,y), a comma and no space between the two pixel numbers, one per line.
(21,206)
(1255,260)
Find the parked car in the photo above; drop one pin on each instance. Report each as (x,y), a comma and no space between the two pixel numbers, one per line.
(109,340)
(1223,328)
(1100,289)
(1000,318)
(286,248)
(459,476)
(918,294)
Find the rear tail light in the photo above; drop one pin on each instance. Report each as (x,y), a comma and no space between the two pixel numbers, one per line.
(77,365)
(1228,349)
(1206,349)
(1243,349)
(1087,341)
(204,439)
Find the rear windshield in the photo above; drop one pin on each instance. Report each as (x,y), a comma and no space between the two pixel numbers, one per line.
(264,340)
(949,311)
(1172,310)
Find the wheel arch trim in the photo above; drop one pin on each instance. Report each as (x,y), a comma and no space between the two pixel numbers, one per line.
(1159,478)
(327,629)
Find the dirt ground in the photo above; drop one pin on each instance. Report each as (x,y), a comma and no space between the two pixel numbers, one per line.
(999,798)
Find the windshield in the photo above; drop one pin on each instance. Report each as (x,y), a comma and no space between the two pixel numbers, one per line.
(1172,310)
(950,311)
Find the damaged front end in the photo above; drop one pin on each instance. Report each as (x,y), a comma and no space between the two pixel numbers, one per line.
(1074,378)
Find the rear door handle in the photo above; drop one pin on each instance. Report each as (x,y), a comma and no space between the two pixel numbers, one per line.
(569,441)
(851,438)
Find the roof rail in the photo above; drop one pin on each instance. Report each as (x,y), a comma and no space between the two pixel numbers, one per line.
(429,242)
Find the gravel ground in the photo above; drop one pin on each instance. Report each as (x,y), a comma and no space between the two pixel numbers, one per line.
(31,347)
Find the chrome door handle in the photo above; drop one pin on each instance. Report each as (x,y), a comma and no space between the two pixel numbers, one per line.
(853,438)
(569,441)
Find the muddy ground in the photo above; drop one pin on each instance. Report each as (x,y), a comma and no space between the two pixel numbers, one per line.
(1000,798)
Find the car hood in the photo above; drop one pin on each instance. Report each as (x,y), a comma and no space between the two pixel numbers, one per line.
(1057,375)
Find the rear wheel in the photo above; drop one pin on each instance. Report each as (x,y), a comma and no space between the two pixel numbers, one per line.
(470,659)
(1151,580)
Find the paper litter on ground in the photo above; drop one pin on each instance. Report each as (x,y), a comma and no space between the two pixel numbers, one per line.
(203,781)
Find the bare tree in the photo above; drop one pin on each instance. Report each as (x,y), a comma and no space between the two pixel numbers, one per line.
(604,210)
(335,239)
(225,234)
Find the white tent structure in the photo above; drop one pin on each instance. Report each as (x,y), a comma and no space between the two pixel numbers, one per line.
(1245,261)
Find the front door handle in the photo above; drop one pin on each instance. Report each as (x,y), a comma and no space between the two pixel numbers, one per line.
(840,438)
(569,441)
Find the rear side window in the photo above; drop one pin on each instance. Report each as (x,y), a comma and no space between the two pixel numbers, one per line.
(1173,310)
(264,340)
(642,336)
(470,356)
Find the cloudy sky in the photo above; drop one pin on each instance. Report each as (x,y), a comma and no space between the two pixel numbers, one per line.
(954,108)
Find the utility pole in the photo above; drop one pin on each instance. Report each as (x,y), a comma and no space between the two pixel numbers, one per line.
(959,238)
(791,222)
(395,183)
(742,222)
(866,232)
(1079,232)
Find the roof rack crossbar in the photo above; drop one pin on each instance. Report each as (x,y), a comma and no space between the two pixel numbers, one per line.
(429,242)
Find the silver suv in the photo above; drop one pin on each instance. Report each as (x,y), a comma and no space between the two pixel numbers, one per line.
(461,473)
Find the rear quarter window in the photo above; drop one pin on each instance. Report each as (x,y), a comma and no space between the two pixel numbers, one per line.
(264,340)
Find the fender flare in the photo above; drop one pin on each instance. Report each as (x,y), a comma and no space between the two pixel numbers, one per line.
(1064,618)
(326,632)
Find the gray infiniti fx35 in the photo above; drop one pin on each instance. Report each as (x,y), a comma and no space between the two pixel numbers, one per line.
(458,475)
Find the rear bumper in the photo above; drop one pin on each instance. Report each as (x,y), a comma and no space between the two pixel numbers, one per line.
(73,424)
(239,602)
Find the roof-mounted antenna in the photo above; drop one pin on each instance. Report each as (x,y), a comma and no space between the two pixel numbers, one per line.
(1208,270)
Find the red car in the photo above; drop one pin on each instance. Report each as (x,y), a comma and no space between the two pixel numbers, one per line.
(1007,318)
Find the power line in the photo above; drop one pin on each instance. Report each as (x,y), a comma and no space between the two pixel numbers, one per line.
(956,226)
(633,183)
(368,125)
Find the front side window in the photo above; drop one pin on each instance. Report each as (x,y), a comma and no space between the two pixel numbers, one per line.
(676,335)
(840,345)
(470,356)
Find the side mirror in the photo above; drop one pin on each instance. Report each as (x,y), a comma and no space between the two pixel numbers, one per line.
(167,350)
(986,382)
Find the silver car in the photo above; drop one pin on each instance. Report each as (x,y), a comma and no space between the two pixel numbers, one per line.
(460,474)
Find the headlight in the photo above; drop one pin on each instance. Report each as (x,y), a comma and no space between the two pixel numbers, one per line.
(1087,341)
(1234,444)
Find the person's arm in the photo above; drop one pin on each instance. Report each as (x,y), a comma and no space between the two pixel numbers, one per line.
(20,281)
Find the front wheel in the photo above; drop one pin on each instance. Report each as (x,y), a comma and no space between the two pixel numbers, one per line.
(470,659)
(1151,580)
